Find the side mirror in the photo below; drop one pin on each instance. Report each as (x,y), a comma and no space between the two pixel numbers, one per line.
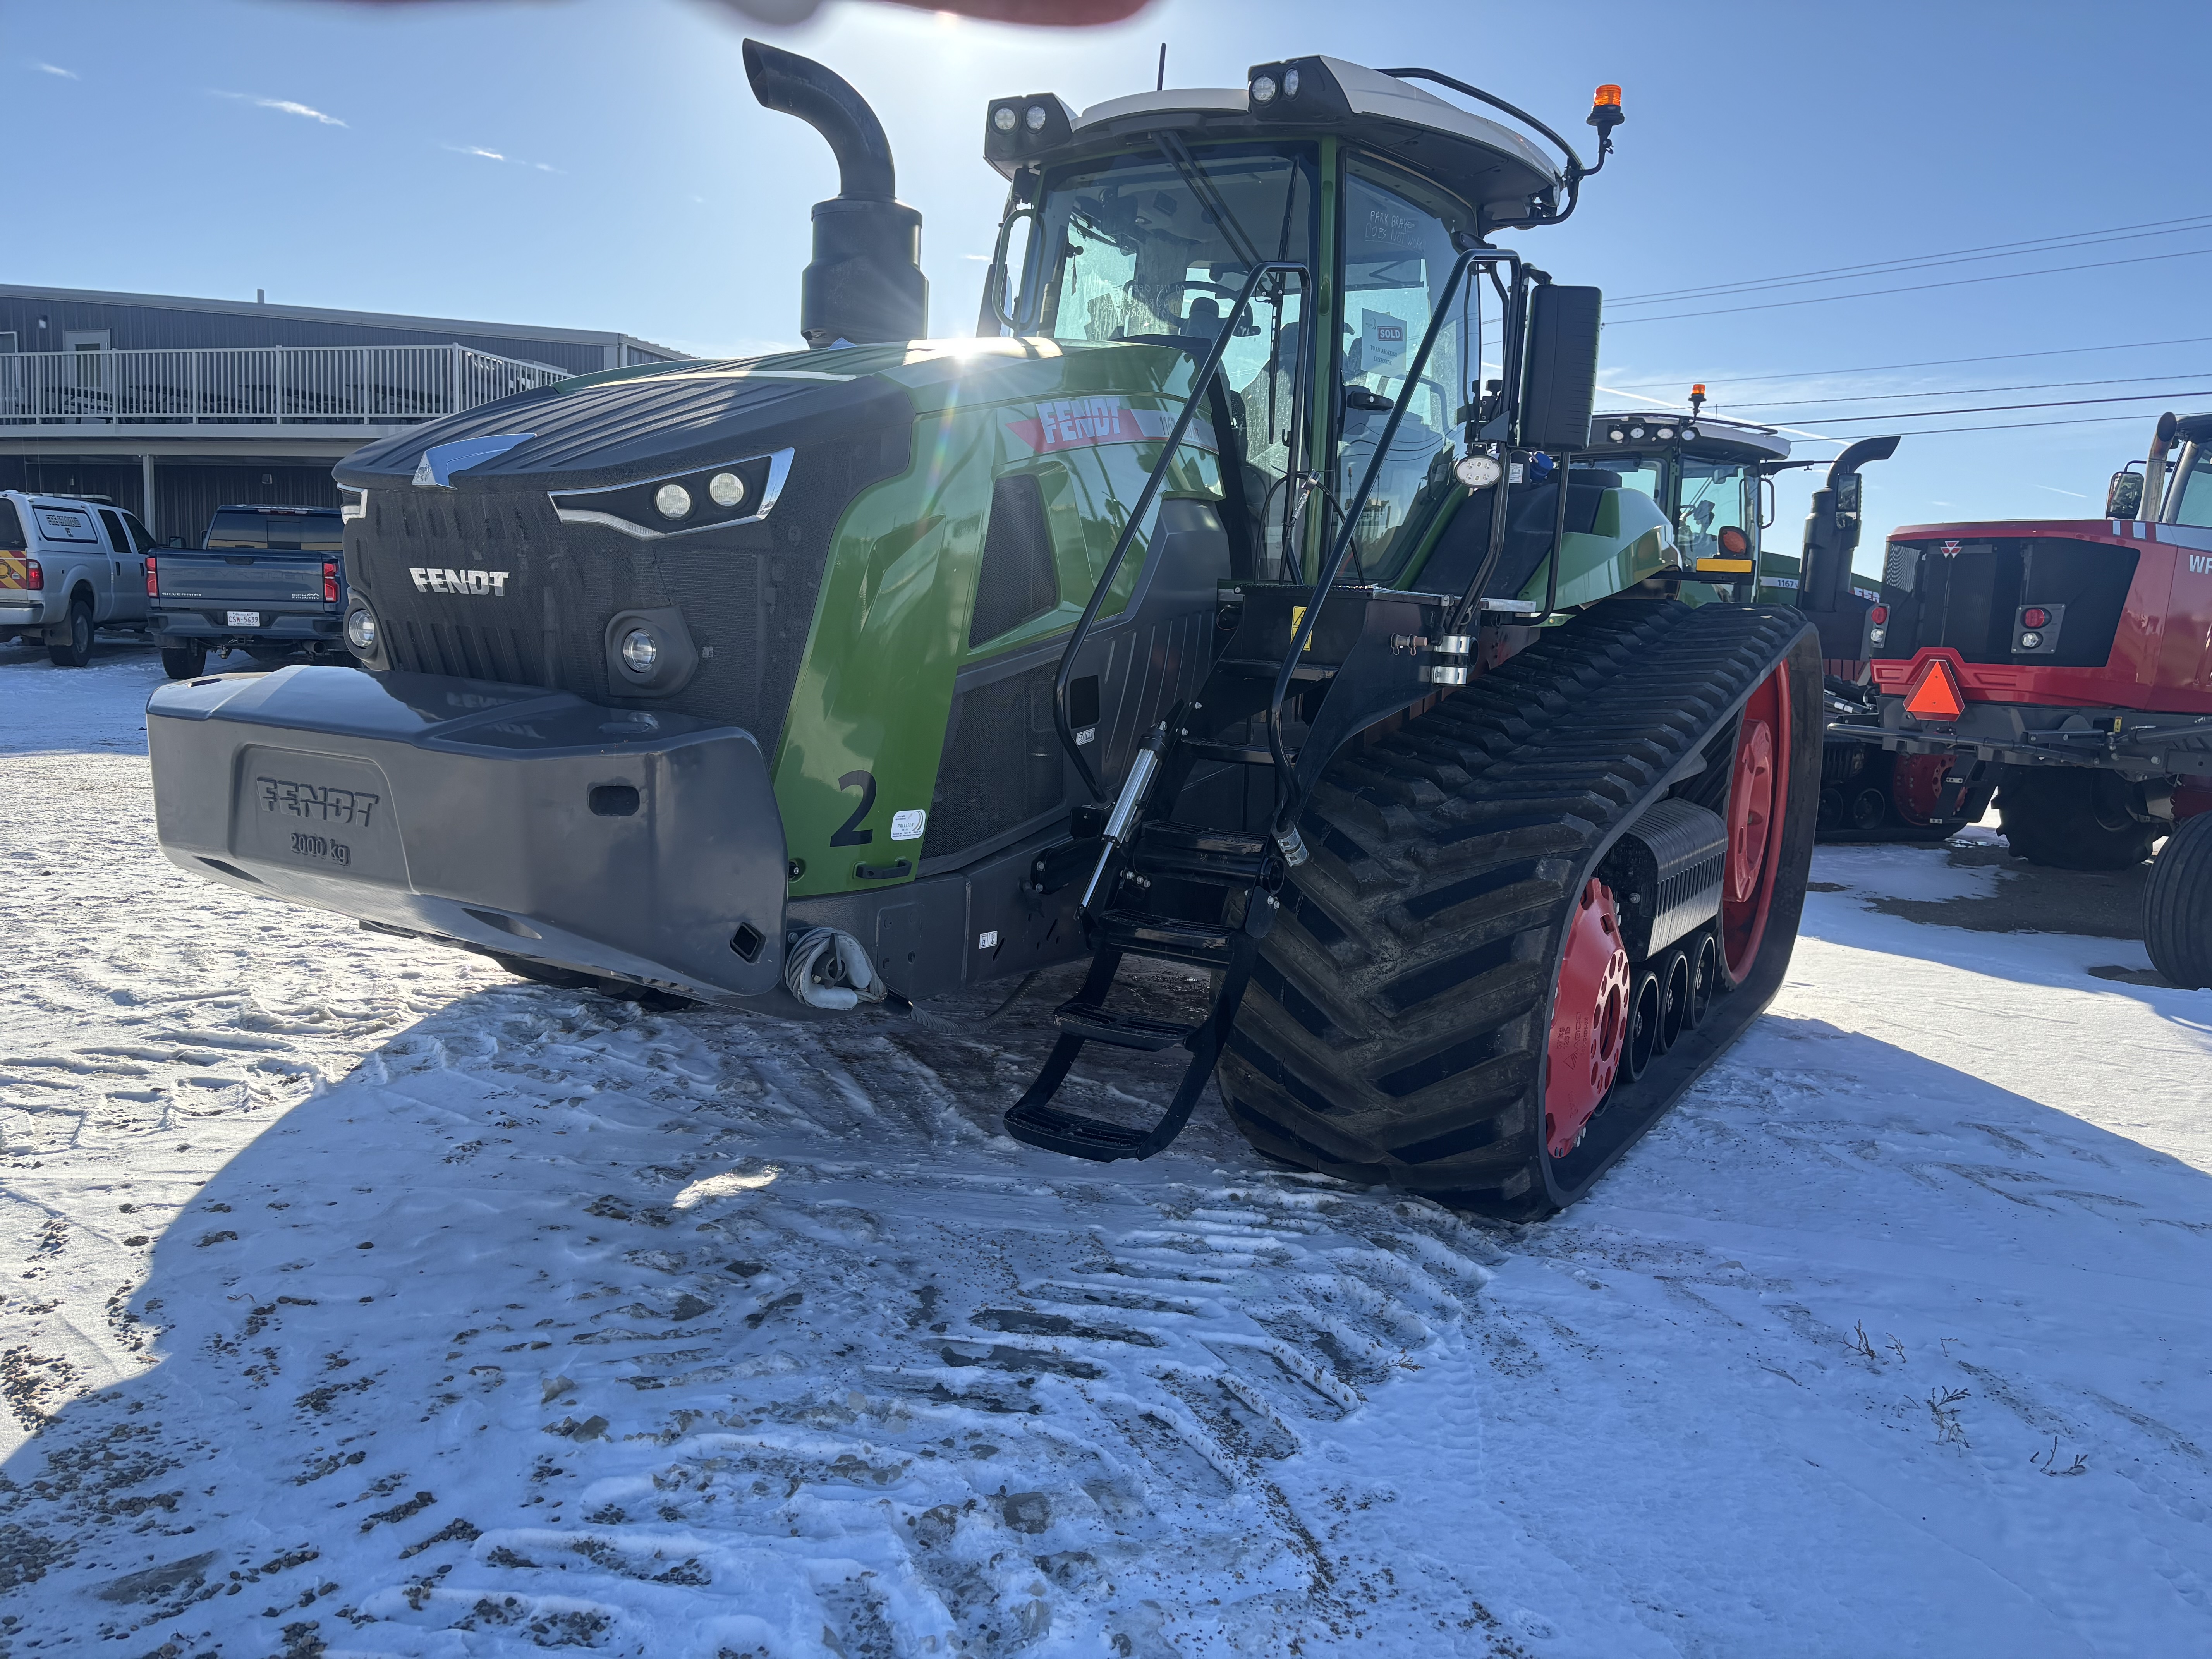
(1561,386)
(1847,493)
(2124,497)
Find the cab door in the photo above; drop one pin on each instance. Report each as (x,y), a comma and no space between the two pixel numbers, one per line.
(126,567)
(1398,241)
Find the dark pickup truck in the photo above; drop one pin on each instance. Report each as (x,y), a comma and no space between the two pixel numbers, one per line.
(270,582)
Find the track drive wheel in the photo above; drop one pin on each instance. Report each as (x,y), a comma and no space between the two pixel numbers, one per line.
(2178,906)
(2074,817)
(1589,1020)
(1916,787)
(1757,805)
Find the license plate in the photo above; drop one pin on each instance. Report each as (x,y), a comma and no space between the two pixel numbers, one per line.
(317,812)
(244,619)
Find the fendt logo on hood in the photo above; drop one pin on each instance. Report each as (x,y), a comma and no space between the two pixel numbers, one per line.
(430,579)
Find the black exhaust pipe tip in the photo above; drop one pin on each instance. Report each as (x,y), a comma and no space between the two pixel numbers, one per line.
(792,85)
(864,285)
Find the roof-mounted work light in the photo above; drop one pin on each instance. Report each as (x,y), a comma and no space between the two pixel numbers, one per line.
(1019,128)
(1295,89)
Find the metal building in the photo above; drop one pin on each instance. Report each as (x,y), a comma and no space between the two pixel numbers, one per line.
(173,407)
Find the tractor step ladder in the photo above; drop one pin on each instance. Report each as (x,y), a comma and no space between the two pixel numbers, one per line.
(1136,852)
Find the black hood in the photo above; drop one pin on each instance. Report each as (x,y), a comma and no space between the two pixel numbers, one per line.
(596,432)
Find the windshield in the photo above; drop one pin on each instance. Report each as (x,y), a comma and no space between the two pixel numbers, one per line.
(1157,245)
(2195,505)
(1714,499)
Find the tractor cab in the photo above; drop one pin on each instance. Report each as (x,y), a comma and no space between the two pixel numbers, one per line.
(1319,224)
(1710,479)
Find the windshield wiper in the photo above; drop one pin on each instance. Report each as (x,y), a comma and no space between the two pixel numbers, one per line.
(1201,187)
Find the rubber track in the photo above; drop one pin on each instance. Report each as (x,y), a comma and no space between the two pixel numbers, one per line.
(1394,1029)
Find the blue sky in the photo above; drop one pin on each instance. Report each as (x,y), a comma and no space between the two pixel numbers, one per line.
(601,163)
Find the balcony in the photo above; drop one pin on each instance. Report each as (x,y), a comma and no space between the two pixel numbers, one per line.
(343,393)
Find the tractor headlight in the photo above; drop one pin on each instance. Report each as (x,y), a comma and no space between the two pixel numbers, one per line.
(1290,83)
(1263,89)
(1003,118)
(1035,118)
(692,502)
(641,650)
(361,630)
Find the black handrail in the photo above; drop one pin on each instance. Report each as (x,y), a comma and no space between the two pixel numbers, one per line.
(1207,370)
(1286,803)
(1575,170)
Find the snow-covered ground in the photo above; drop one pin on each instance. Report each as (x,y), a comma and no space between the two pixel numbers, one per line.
(360,1300)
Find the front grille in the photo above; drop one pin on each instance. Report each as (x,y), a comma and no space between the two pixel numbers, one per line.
(746,594)
(564,583)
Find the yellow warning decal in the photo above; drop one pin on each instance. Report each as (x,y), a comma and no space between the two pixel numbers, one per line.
(1736,566)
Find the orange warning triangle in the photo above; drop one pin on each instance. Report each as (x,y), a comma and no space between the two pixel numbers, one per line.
(1936,697)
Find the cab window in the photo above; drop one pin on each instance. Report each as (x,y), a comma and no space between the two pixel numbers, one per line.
(1641,473)
(1717,495)
(1399,250)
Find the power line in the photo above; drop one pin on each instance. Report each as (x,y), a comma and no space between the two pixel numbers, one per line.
(2013,426)
(2021,426)
(1931,261)
(1936,362)
(1995,408)
(1914,288)
(1962,391)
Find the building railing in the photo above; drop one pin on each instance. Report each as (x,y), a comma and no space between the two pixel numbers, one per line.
(292,386)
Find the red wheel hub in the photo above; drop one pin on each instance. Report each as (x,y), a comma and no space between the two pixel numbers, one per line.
(1589,1020)
(1751,806)
(1915,784)
(1758,798)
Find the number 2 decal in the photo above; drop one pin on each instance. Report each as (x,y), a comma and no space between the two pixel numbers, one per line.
(851,833)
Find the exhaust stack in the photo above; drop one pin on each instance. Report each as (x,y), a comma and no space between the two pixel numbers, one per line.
(864,284)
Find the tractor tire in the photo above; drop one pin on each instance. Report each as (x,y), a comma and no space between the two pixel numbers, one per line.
(2178,906)
(75,651)
(2072,818)
(1441,1006)
(184,662)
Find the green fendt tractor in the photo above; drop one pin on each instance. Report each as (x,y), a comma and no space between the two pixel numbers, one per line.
(1213,605)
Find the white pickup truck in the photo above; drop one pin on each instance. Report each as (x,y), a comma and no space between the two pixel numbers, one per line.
(67,566)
